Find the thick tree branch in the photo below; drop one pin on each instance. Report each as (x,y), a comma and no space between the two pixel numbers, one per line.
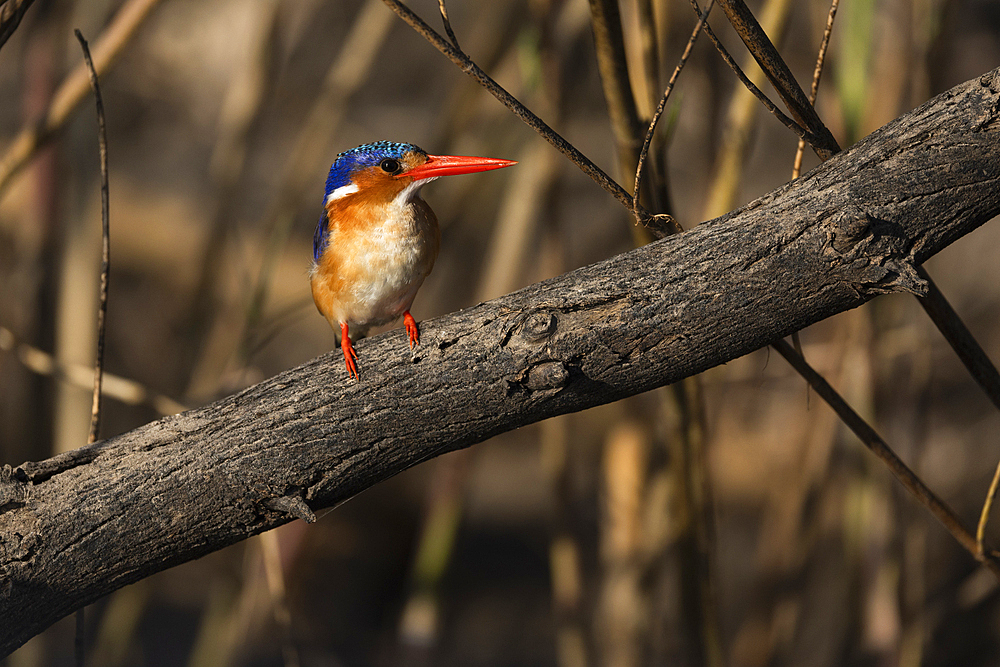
(75,527)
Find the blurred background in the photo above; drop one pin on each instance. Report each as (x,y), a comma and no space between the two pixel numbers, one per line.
(730,520)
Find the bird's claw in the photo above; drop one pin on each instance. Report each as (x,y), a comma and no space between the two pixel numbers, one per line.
(350,356)
(412,332)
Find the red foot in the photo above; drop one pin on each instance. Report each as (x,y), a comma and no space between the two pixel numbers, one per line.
(350,356)
(411,329)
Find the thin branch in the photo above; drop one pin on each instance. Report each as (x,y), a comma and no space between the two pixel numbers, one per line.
(965,345)
(466,64)
(984,516)
(11,13)
(447,24)
(741,120)
(627,128)
(121,389)
(107,48)
(102,309)
(702,18)
(817,74)
(777,72)
(798,130)
(979,365)
(910,481)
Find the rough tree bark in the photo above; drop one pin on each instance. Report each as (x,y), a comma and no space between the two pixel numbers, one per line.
(80,525)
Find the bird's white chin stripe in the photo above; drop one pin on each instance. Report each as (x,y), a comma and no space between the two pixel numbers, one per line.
(341,192)
(412,190)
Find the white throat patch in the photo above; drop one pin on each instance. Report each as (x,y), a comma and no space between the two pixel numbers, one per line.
(411,191)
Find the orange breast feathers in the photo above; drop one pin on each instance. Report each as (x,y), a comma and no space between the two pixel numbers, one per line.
(382,242)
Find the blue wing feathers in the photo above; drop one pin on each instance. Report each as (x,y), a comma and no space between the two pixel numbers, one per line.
(320,236)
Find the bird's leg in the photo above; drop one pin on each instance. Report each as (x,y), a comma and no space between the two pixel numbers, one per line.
(411,329)
(350,356)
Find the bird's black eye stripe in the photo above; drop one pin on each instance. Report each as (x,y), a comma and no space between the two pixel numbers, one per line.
(390,166)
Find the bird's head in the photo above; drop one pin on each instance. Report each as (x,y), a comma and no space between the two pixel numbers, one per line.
(382,171)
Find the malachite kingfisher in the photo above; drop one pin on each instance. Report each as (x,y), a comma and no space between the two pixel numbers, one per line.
(377,239)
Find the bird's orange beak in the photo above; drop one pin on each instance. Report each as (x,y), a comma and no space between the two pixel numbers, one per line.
(448,165)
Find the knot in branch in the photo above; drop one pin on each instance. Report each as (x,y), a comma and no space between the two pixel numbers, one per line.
(875,255)
(14,488)
(547,375)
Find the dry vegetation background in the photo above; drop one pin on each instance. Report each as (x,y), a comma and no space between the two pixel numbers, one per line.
(566,543)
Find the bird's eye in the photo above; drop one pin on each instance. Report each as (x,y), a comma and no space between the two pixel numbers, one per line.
(390,166)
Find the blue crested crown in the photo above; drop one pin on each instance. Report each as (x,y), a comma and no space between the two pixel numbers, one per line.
(362,157)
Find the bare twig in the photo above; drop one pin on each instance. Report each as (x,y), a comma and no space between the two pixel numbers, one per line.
(11,13)
(984,516)
(976,362)
(274,574)
(466,64)
(113,386)
(627,128)
(821,56)
(102,138)
(817,74)
(702,18)
(72,90)
(878,446)
(741,120)
(447,24)
(780,76)
(799,131)
(961,339)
